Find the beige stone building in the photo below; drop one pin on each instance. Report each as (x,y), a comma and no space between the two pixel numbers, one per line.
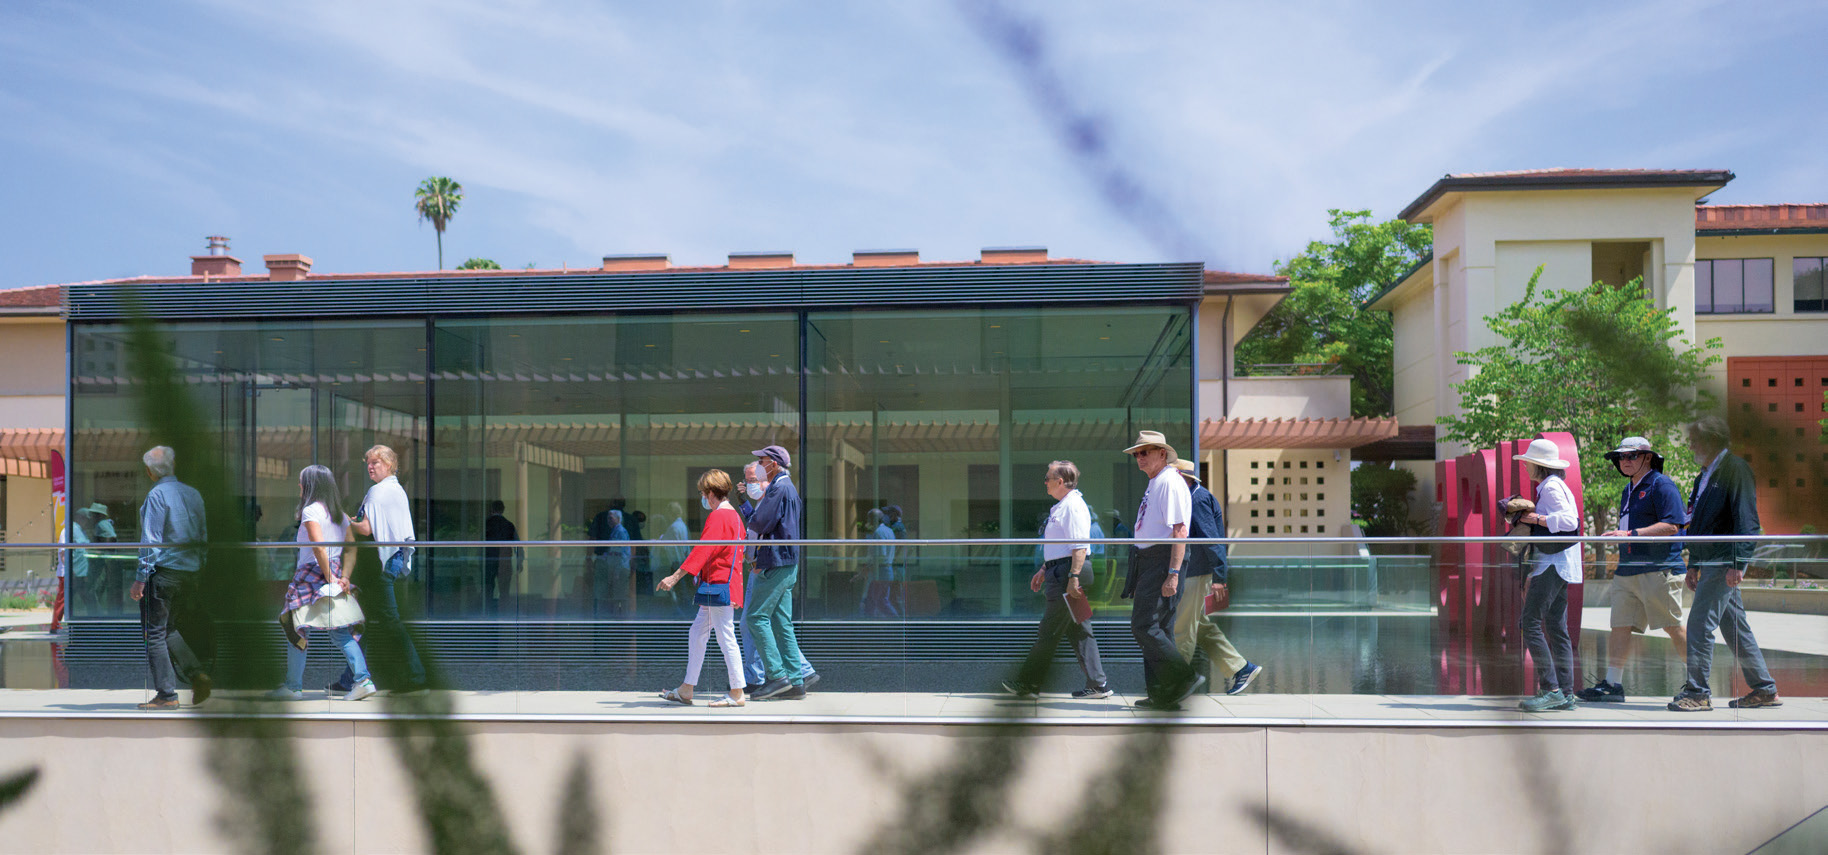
(1750,275)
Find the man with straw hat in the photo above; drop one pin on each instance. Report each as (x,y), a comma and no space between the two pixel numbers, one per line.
(1155,573)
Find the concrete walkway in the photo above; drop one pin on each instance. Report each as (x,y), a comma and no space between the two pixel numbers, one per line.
(918,708)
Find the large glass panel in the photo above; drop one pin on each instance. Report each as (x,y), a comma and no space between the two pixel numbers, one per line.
(1759,285)
(593,428)
(940,424)
(1704,286)
(273,397)
(1811,293)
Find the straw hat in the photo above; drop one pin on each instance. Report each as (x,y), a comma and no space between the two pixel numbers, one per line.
(1544,453)
(1189,469)
(1148,439)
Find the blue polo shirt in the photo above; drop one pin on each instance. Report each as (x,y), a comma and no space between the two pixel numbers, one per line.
(1654,499)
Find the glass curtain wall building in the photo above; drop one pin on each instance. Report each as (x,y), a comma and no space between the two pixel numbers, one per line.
(939,390)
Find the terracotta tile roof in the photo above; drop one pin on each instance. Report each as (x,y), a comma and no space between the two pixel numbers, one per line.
(1776,218)
(1223,277)
(1562,178)
(591,271)
(34,297)
(1293,433)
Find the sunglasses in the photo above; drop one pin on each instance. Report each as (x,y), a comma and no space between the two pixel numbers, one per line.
(1633,455)
(1143,453)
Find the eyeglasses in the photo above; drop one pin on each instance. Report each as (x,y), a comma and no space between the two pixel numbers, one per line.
(1143,453)
(1633,455)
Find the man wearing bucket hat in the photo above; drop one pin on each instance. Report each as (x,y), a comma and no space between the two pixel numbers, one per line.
(1155,573)
(769,606)
(1207,571)
(1557,565)
(1647,586)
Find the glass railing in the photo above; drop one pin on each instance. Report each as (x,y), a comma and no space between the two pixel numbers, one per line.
(1401,625)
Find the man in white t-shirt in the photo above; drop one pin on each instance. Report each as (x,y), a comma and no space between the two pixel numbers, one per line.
(1155,573)
(387,516)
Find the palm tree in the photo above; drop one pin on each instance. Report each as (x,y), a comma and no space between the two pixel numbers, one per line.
(437,200)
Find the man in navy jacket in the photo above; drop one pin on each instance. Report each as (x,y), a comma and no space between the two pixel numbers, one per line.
(1724,502)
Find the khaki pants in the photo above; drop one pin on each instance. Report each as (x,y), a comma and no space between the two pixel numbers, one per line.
(1193,629)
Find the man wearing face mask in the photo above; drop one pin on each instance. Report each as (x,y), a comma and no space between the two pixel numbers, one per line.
(769,604)
(755,486)
(1647,586)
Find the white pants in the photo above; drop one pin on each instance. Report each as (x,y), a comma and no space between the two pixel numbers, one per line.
(722,619)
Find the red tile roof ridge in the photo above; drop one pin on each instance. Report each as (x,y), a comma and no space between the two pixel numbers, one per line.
(590,271)
(32,297)
(1225,276)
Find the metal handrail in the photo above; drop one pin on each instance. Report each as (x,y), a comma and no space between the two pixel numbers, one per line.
(948,541)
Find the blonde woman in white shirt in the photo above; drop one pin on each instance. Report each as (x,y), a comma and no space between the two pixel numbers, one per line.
(1556,566)
(320,594)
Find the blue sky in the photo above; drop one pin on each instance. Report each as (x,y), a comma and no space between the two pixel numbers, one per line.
(128,132)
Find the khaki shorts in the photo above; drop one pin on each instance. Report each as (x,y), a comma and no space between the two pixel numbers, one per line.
(1647,601)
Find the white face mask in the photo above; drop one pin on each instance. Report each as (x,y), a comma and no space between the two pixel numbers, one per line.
(705,501)
(753,489)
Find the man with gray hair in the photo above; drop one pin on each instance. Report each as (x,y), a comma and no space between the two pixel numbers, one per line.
(1062,579)
(172,521)
(1724,502)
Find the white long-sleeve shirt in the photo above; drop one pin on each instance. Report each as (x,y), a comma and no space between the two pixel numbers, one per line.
(1555,504)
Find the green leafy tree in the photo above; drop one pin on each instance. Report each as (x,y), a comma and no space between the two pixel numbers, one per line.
(1601,363)
(479,264)
(1323,319)
(436,200)
(1380,500)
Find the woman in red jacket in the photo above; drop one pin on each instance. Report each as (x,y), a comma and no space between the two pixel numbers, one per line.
(720,591)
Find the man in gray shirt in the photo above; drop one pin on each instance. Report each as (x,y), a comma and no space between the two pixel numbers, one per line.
(166,586)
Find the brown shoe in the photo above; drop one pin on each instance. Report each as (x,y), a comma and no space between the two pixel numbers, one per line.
(170,703)
(1691,703)
(1757,698)
(200,686)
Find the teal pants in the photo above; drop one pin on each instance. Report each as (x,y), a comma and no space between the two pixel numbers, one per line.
(768,610)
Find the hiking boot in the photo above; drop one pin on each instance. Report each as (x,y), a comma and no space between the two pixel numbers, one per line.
(1691,703)
(1757,698)
(1602,692)
(1544,701)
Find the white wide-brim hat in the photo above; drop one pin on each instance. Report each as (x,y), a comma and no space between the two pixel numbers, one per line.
(1148,439)
(1544,453)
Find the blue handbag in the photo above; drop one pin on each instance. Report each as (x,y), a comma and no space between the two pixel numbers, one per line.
(718,593)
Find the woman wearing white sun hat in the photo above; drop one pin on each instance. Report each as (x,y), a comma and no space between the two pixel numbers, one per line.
(1545,602)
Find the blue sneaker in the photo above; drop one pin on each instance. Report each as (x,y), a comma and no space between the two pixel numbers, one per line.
(1242,680)
(1602,692)
(1551,699)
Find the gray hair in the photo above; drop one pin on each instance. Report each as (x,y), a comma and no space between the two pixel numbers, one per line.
(1065,471)
(615,516)
(161,460)
(753,467)
(1711,428)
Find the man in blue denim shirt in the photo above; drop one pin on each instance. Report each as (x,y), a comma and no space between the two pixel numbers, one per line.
(166,584)
(1647,586)
(768,604)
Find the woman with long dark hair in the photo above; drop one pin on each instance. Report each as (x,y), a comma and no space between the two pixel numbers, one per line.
(320,594)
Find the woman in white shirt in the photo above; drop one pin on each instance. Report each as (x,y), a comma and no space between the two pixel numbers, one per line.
(320,594)
(1555,567)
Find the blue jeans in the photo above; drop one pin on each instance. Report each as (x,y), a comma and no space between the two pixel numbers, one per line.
(383,610)
(768,611)
(344,637)
(1719,606)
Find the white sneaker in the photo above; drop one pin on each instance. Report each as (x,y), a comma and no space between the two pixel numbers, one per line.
(362,690)
(284,694)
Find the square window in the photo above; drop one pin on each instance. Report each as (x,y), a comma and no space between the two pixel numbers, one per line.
(1743,381)
(1319,513)
(1304,530)
(1304,497)
(1253,530)
(1288,529)
(1304,480)
(1285,479)
(1799,382)
(1770,381)
(1799,483)
(1268,497)
(1253,483)
(1272,515)
(1318,497)
(1253,514)
(1304,512)
(1253,497)
(1304,465)
(1769,408)
(1799,408)
(1253,465)
(1320,480)
(1320,464)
